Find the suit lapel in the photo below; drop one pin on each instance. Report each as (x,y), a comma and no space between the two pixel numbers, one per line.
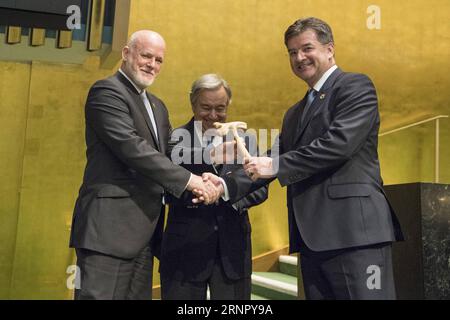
(318,103)
(294,125)
(313,109)
(195,139)
(159,119)
(140,106)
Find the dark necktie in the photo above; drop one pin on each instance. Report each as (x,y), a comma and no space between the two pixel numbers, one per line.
(210,145)
(309,100)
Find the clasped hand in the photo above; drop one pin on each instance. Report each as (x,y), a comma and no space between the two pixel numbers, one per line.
(207,189)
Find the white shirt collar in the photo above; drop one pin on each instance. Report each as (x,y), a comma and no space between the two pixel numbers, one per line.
(324,78)
(131,81)
(198,130)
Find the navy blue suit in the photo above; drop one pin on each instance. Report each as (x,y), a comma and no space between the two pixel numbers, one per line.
(329,163)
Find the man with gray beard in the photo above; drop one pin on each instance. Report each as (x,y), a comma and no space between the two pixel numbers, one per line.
(118,216)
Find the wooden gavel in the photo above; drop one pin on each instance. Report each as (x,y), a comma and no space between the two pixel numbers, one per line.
(223,128)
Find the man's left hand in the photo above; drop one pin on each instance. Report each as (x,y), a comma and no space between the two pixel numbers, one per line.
(259,167)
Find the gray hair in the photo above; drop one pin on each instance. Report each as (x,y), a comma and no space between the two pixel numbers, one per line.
(320,27)
(209,81)
(138,35)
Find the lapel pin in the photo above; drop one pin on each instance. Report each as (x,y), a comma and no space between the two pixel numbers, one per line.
(322,96)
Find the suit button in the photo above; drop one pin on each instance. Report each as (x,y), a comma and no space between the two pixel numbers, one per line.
(216,228)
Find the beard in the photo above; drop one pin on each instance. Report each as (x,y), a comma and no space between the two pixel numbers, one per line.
(136,75)
(140,80)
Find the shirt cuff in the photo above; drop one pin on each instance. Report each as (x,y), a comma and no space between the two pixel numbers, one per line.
(190,177)
(226,195)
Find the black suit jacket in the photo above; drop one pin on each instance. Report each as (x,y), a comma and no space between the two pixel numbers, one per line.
(119,203)
(195,232)
(330,166)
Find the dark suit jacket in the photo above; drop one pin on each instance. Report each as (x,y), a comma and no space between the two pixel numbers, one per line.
(330,166)
(195,232)
(119,203)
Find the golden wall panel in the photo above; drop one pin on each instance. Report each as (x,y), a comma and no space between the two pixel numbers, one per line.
(97,13)
(13,35)
(52,171)
(63,39)
(37,37)
(120,34)
(14,85)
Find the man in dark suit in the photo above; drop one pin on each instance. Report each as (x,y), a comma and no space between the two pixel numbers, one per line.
(118,216)
(207,246)
(339,218)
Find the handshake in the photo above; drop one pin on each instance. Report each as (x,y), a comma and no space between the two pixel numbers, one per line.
(207,189)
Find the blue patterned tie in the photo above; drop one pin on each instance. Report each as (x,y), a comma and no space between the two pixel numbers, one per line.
(309,100)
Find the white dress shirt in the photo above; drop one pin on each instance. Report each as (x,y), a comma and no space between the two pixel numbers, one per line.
(324,78)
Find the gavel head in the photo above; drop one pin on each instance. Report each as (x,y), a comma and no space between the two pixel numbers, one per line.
(223,128)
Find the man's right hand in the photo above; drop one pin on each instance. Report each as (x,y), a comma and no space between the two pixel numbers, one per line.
(204,191)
